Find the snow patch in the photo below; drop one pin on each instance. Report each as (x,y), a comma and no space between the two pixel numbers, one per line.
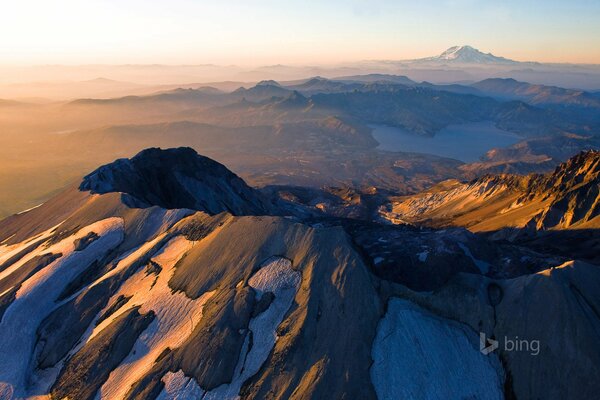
(36,298)
(278,277)
(176,317)
(29,209)
(417,355)
(7,251)
(180,387)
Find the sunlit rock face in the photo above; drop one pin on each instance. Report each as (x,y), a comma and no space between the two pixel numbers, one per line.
(566,198)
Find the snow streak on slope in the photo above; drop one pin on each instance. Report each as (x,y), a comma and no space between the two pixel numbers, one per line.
(9,251)
(449,195)
(36,298)
(40,380)
(420,356)
(276,277)
(180,387)
(176,317)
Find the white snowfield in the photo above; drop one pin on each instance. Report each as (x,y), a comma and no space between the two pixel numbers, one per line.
(180,387)
(417,355)
(176,317)
(36,298)
(276,276)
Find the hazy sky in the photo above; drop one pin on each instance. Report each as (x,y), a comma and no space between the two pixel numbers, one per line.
(264,32)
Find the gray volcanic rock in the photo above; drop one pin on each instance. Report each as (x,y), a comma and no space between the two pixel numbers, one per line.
(110,295)
(176,178)
(552,316)
(85,372)
(81,244)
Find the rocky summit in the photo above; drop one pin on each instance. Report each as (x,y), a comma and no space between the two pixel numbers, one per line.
(165,276)
(176,178)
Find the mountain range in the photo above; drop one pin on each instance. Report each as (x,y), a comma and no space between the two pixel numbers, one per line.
(457,64)
(317,132)
(166,276)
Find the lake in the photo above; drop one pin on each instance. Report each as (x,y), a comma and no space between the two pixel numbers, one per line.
(464,142)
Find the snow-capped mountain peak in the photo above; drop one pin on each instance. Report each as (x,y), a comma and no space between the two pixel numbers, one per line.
(468,55)
(455,52)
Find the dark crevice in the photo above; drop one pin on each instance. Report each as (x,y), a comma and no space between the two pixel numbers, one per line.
(509,391)
(84,373)
(121,300)
(495,295)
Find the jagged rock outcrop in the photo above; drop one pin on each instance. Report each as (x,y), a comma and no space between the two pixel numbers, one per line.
(568,197)
(177,178)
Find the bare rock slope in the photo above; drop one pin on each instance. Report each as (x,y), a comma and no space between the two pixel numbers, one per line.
(569,197)
(135,289)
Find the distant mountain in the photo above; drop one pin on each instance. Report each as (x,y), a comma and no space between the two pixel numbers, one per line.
(420,108)
(378,78)
(323,85)
(294,100)
(425,110)
(11,103)
(536,94)
(187,97)
(67,90)
(454,88)
(106,81)
(269,82)
(467,55)
(262,91)
(532,155)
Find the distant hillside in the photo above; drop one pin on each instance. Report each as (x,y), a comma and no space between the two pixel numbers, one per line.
(536,94)
(569,197)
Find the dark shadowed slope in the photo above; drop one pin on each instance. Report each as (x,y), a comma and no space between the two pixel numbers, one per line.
(177,178)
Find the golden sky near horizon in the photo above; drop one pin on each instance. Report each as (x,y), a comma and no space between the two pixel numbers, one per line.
(292,32)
